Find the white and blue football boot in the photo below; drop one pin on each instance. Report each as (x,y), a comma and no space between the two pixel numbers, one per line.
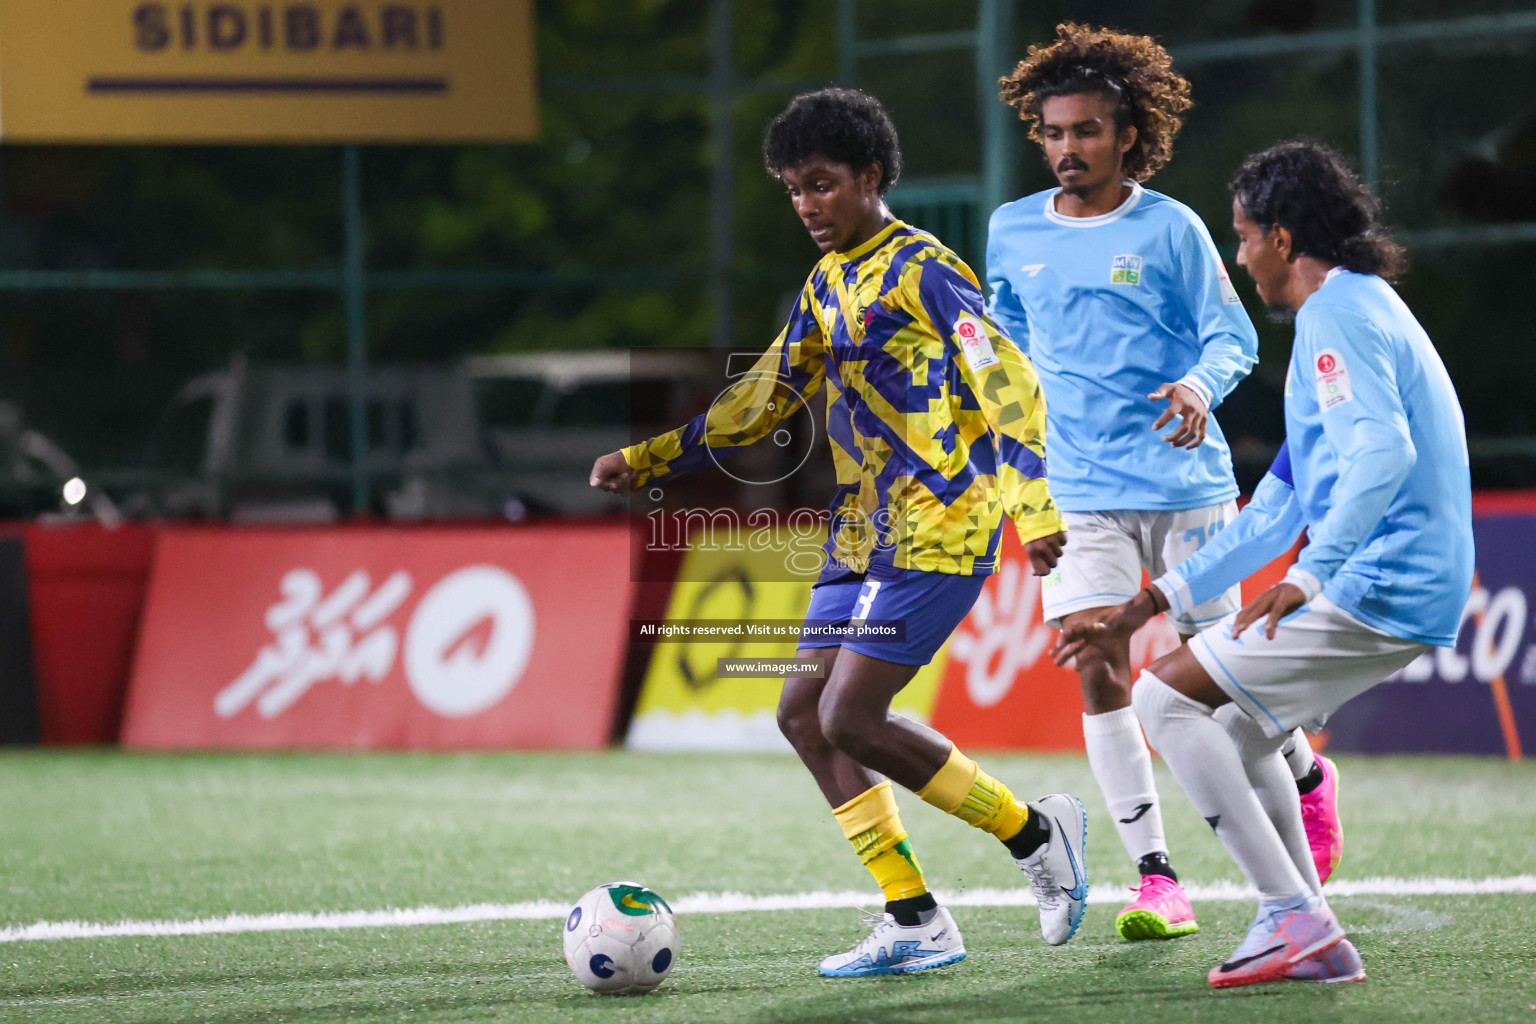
(1056,870)
(891,948)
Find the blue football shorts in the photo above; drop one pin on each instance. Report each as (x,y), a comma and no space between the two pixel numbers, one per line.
(929,605)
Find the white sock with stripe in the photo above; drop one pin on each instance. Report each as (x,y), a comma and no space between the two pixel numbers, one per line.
(1271,778)
(1204,759)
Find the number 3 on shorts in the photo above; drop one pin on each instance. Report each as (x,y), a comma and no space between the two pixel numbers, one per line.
(866,600)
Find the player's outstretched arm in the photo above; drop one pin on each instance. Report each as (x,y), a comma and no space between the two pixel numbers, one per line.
(1265,528)
(613,474)
(1263,531)
(784,376)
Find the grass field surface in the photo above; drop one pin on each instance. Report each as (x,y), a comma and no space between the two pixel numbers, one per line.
(105,837)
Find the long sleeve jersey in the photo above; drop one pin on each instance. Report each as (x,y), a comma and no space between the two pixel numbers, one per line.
(935,419)
(1374,467)
(1108,309)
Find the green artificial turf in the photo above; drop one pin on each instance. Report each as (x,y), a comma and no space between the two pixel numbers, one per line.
(106,836)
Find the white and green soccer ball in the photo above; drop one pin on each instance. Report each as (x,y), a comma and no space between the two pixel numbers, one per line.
(620,939)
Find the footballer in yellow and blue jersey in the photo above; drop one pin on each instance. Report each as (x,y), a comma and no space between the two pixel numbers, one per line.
(936,424)
(935,418)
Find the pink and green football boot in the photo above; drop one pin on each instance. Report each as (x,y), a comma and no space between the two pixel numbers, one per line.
(1161,911)
(1320,815)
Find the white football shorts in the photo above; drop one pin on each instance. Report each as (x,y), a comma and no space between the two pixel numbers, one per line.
(1107,551)
(1321,656)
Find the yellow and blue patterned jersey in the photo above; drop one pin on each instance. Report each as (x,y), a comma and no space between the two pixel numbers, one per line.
(935,418)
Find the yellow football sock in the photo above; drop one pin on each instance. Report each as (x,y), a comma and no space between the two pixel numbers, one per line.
(872,823)
(961,788)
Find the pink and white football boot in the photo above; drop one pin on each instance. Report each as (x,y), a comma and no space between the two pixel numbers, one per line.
(1320,815)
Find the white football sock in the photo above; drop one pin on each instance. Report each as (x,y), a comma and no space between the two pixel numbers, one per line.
(1122,765)
(1298,754)
(1205,761)
(1271,779)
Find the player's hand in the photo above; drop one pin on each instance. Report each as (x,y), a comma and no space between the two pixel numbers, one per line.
(1191,410)
(612,474)
(1277,602)
(1045,552)
(1111,632)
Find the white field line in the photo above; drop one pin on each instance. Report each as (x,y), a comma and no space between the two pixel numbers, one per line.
(704,903)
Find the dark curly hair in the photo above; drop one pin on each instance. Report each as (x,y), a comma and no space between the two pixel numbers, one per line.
(1308,189)
(844,125)
(1135,71)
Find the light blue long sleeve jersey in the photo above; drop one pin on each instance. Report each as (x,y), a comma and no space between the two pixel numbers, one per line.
(1374,467)
(1109,308)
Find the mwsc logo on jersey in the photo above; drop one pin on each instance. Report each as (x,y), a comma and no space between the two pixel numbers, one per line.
(1125,270)
(465,643)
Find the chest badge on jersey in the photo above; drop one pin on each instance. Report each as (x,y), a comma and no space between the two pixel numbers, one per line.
(972,334)
(1125,270)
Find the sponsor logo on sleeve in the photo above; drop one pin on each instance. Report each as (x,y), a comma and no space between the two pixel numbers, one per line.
(1228,293)
(974,343)
(1333,387)
(1125,270)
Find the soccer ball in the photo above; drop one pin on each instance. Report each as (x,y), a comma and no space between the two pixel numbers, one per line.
(620,939)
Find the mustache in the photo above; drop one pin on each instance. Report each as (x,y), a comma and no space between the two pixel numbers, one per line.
(1071,164)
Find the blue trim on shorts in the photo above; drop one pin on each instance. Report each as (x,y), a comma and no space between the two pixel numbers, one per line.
(1256,702)
(1090,597)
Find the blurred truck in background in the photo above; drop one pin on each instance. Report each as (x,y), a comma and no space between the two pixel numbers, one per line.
(504,436)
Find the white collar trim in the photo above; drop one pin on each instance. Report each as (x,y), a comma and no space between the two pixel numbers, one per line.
(1124,208)
(1335,272)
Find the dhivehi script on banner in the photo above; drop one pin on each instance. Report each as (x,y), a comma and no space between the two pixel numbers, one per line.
(311,71)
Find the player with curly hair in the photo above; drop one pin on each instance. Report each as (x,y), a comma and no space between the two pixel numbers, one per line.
(935,422)
(1119,297)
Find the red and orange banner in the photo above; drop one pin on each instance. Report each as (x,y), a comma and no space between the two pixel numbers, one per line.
(380,638)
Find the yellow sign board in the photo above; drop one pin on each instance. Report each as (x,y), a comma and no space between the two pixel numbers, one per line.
(684,706)
(267,71)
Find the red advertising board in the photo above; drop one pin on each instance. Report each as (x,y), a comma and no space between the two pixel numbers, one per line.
(86,588)
(369,638)
(1001,690)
